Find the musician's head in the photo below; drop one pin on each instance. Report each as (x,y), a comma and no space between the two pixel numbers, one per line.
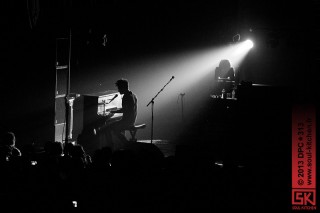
(122,85)
(9,139)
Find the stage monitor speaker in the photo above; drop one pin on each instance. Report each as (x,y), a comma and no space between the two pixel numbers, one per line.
(60,132)
(61,81)
(60,110)
(62,66)
(62,51)
(61,91)
(149,155)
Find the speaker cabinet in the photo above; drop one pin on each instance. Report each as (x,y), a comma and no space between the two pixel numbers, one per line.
(61,80)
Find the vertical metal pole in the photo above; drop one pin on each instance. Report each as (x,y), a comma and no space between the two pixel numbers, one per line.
(69,65)
(55,92)
(152,121)
(152,102)
(68,92)
(182,107)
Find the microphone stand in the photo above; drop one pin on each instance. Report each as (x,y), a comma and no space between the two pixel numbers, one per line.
(182,114)
(152,106)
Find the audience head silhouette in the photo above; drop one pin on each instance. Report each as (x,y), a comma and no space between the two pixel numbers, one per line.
(8,145)
(9,139)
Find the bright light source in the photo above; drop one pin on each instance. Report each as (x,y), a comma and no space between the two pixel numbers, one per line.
(241,49)
(248,44)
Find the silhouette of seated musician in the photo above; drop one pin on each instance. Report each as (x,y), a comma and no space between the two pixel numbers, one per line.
(224,77)
(114,132)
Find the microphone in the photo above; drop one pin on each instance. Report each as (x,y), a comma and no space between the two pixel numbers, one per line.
(114,97)
(172,77)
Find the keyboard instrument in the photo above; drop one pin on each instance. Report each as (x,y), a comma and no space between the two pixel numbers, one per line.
(93,110)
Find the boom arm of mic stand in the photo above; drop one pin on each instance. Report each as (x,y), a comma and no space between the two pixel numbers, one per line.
(152,101)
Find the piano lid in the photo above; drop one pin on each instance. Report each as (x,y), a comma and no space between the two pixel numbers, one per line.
(103,93)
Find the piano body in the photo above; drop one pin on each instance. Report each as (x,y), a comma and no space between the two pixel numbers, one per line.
(93,110)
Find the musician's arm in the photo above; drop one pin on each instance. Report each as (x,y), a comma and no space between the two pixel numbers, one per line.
(125,104)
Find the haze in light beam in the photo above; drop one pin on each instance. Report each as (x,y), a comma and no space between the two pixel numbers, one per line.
(194,74)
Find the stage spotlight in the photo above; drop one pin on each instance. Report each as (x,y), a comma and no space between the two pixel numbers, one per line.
(242,48)
(248,44)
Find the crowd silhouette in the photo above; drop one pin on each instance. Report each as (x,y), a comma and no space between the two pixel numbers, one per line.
(64,178)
